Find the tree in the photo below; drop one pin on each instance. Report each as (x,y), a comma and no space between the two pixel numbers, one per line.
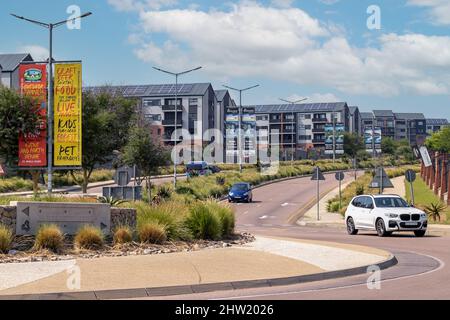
(388,145)
(440,140)
(105,122)
(352,144)
(144,152)
(17,115)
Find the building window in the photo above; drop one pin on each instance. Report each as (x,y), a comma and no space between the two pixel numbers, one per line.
(151,102)
(304,137)
(308,127)
(193,101)
(420,123)
(290,117)
(153,117)
(307,116)
(262,118)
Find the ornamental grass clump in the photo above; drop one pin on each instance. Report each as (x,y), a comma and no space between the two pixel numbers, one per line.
(89,237)
(225,214)
(49,237)
(122,235)
(203,223)
(6,238)
(152,232)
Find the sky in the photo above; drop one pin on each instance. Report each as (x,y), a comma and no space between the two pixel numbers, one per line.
(375,54)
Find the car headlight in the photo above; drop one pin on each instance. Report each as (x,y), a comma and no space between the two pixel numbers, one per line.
(230,194)
(245,194)
(391,215)
(423,216)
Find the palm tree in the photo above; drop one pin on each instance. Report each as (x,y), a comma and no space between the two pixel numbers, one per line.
(434,210)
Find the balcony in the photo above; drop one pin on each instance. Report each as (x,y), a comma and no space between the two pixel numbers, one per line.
(319,120)
(318,130)
(318,141)
(171,122)
(170,108)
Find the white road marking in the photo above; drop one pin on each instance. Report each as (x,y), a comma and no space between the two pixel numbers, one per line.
(263,217)
(285,204)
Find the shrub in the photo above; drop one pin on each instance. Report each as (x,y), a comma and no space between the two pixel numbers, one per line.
(113,202)
(89,237)
(220,180)
(152,232)
(333,206)
(49,237)
(225,214)
(203,223)
(359,190)
(6,238)
(122,235)
(170,215)
(434,210)
(164,192)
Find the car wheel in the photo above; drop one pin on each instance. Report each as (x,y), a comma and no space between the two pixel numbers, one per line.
(351,227)
(420,233)
(381,229)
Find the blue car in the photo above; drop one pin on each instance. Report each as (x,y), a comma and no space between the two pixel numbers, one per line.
(240,192)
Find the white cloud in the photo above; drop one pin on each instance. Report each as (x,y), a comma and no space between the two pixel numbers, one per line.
(37,52)
(289,45)
(439,10)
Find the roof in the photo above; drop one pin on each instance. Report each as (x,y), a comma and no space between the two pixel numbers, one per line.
(366,115)
(220,94)
(153,90)
(10,62)
(410,116)
(353,110)
(383,113)
(305,107)
(437,122)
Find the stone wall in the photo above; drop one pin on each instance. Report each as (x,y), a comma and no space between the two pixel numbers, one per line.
(119,217)
(8,216)
(123,217)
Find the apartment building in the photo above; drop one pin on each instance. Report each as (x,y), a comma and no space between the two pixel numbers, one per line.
(299,128)
(398,126)
(9,68)
(354,119)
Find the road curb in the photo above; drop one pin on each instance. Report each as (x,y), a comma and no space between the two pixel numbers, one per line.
(201,288)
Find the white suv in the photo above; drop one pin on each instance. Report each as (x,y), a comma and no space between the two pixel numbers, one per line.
(385,214)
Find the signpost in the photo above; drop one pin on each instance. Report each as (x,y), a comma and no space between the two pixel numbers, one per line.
(411,177)
(381,180)
(318,176)
(340,177)
(425,157)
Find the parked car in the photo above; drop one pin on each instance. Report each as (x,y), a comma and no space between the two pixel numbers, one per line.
(240,192)
(214,169)
(384,214)
(197,168)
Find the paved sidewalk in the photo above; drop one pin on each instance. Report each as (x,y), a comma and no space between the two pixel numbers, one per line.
(267,258)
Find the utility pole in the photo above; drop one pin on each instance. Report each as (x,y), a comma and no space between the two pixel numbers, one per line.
(293,103)
(334,136)
(240,121)
(176,75)
(50,27)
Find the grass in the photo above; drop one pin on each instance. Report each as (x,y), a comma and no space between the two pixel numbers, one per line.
(203,222)
(152,232)
(225,215)
(89,237)
(423,197)
(15,184)
(122,235)
(49,237)
(6,238)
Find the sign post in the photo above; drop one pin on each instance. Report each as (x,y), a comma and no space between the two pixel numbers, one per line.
(318,176)
(340,177)
(410,176)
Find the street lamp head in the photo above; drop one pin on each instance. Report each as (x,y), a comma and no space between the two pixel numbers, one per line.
(86,14)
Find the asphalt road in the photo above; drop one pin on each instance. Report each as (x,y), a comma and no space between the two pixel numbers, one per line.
(422,271)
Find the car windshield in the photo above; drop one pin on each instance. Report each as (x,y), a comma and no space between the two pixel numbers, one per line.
(239,187)
(390,202)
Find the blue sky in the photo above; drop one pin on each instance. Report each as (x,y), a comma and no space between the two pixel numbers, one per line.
(321,49)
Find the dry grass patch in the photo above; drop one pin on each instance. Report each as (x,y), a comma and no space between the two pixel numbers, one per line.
(152,232)
(89,237)
(49,237)
(122,235)
(6,238)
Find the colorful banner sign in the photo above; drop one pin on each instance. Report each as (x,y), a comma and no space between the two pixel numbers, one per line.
(372,139)
(68,115)
(33,146)
(337,131)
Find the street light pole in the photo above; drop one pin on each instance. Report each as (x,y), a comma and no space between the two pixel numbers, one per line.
(293,103)
(240,120)
(50,27)
(176,75)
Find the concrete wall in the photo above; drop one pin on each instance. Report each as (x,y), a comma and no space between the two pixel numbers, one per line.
(119,217)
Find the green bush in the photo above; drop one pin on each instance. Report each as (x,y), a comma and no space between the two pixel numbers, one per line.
(6,238)
(89,237)
(152,232)
(49,237)
(225,214)
(15,184)
(203,223)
